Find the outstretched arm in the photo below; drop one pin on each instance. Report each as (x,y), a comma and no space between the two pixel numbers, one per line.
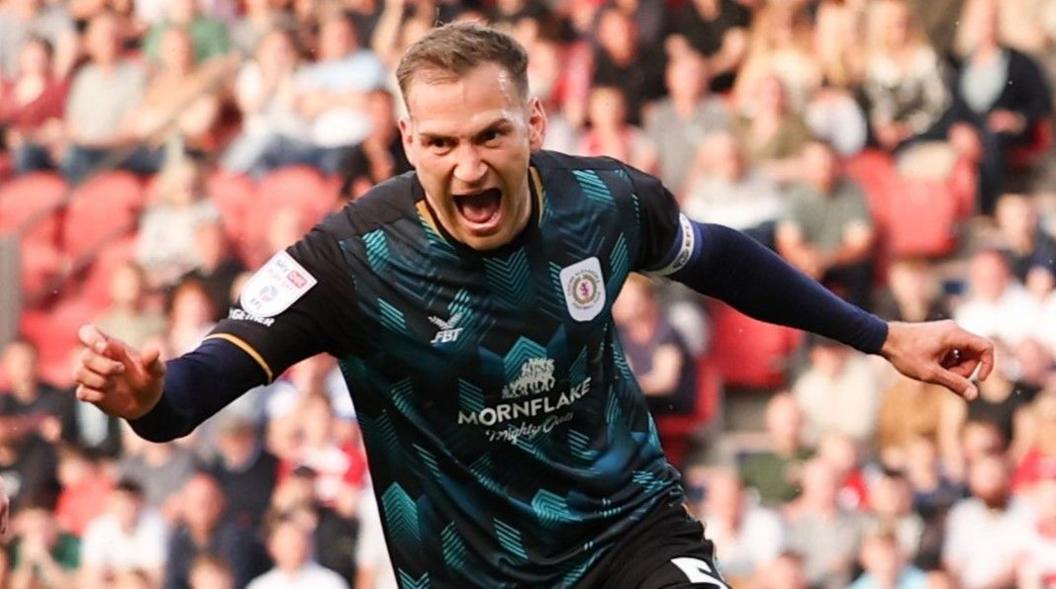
(728,265)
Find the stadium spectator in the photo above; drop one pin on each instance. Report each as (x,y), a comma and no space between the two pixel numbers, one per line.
(129,317)
(718,29)
(266,96)
(833,115)
(202,528)
(621,61)
(103,92)
(773,473)
(380,155)
(912,293)
(662,364)
(781,44)
(839,42)
(83,482)
(1028,245)
(42,555)
(260,19)
(838,392)
(331,93)
(891,511)
(722,188)
(885,564)
(827,536)
(128,537)
(679,123)
(217,267)
(1002,93)
(828,231)
(181,103)
(1036,558)
(770,133)
(1038,460)
(992,513)
(160,470)
(190,316)
(908,410)
(210,572)
(208,35)
(612,134)
(400,24)
(245,470)
(746,536)
(290,545)
(905,81)
(21,20)
(31,108)
(996,304)
(165,245)
(841,452)
(338,533)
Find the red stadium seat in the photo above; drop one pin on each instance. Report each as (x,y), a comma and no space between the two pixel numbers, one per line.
(29,197)
(54,331)
(42,262)
(750,353)
(677,431)
(875,171)
(1027,156)
(102,209)
(300,188)
(924,216)
(96,287)
(234,195)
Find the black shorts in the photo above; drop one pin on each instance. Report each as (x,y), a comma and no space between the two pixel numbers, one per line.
(666,550)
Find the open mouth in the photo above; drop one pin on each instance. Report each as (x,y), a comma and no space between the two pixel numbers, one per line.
(480,209)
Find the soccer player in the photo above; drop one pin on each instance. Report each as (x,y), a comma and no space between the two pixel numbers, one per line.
(469,305)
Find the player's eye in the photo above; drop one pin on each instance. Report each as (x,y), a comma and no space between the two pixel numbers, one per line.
(439,143)
(491,136)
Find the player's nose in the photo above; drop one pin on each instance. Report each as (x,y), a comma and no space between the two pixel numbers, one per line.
(470,168)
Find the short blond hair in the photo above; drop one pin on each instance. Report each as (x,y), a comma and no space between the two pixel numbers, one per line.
(449,52)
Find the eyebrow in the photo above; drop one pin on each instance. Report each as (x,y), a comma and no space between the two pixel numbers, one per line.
(494,125)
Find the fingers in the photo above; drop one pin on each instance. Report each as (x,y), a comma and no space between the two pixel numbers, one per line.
(955,382)
(90,395)
(151,362)
(100,343)
(979,350)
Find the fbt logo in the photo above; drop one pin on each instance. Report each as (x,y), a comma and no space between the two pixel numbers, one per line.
(448,332)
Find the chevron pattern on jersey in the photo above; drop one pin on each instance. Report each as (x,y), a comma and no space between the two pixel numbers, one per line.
(510,539)
(573,576)
(483,470)
(593,187)
(619,265)
(577,372)
(403,396)
(429,460)
(391,317)
(580,446)
(437,244)
(377,247)
(648,481)
(402,515)
(509,279)
(550,508)
(453,548)
(470,396)
(409,582)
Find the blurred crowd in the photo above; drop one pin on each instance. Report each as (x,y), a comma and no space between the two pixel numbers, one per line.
(899,151)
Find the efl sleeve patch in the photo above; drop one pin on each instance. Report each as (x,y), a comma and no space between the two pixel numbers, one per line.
(276,286)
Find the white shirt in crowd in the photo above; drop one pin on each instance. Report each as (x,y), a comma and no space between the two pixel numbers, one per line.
(107,546)
(310,576)
(1011,318)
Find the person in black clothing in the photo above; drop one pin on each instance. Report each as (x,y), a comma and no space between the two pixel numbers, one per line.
(217,269)
(378,157)
(245,470)
(202,529)
(719,30)
(622,62)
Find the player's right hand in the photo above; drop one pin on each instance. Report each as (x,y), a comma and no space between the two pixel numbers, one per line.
(118,379)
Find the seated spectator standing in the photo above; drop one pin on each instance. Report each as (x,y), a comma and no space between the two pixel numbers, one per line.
(659,359)
(332,93)
(1003,94)
(828,231)
(104,92)
(31,107)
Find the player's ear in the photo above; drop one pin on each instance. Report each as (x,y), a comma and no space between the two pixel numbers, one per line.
(408,141)
(536,124)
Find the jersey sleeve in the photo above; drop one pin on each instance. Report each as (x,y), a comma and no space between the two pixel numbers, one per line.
(298,304)
(665,237)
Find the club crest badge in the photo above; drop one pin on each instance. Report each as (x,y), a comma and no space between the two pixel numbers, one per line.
(584,289)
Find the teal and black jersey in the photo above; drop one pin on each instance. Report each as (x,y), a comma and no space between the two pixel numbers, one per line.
(508,442)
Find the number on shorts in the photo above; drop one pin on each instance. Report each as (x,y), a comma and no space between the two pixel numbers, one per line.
(698,571)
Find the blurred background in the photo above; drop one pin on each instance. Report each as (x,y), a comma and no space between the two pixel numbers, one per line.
(899,151)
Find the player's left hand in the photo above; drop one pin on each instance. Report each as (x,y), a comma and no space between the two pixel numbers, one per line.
(939,352)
